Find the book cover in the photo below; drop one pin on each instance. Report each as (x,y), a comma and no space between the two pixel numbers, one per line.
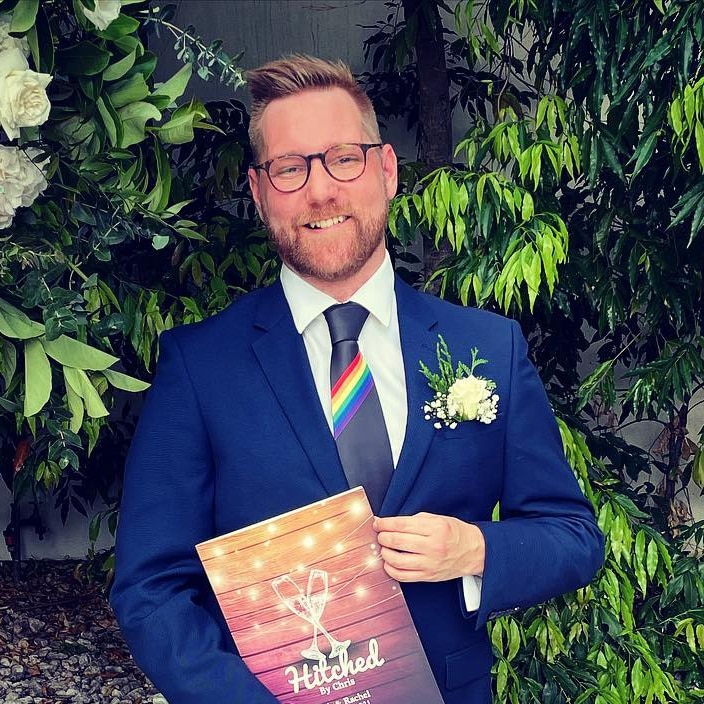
(313,613)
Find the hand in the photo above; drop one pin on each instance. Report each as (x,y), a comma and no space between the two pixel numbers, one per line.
(429,548)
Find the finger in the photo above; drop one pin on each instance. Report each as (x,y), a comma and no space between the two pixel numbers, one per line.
(403,560)
(408,542)
(405,575)
(420,524)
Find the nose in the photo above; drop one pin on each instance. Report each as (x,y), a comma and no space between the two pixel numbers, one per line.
(321,186)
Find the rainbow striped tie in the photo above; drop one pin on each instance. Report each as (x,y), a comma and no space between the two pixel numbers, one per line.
(349,392)
(358,421)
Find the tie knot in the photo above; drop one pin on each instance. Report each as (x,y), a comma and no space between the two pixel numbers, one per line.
(345,321)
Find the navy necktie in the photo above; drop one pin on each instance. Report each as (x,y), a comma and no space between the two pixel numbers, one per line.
(358,422)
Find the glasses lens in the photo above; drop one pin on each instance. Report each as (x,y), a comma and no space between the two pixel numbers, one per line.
(345,161)
(288,173)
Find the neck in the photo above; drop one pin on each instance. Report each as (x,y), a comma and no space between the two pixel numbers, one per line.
(343,289)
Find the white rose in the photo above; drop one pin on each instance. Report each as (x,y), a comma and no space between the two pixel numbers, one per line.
(21,180)
(106,11)
(6,41)
(23,99)
(466,394)
(11,186)
(33,177)
(7,212)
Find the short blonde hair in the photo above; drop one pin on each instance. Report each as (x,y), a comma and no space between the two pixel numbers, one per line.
(297,73)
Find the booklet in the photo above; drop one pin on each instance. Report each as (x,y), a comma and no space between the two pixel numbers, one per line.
(313,613)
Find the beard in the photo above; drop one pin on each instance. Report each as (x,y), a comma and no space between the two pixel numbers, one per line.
(324,255)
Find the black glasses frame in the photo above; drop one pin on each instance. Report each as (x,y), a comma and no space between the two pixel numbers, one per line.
(264,166)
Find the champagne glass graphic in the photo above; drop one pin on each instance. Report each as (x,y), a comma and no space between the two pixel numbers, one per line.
(310,607)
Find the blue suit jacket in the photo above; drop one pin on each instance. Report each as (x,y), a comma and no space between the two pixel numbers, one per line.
(232,432)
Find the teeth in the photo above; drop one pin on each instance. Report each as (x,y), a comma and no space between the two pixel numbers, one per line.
(322,224)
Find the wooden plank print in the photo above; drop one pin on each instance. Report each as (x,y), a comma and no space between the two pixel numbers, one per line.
(313,613)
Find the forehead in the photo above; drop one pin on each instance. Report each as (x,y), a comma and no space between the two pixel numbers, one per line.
(310,121)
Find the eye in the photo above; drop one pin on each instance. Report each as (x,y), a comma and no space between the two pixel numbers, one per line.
(350,157)
(287,168)
(289,171)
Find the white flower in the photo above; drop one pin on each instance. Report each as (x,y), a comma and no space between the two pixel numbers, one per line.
(23,99)
(33,174)
(466,395)
(11,177)
(6,41)
(7,212)
(106,11)
(21,180)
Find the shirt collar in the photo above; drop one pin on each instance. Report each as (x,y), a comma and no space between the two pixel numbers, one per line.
(307,302)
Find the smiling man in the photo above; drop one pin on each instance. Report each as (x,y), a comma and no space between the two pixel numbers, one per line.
(326,212)
(246,420)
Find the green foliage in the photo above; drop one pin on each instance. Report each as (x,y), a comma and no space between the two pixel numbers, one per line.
(208,60)
(133,235)
(514,244)
(577,205)
(442,380)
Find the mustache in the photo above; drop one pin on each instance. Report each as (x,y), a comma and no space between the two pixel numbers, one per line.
(326,213)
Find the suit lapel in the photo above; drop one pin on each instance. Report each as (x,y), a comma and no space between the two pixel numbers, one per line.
(283,358)
(417,324)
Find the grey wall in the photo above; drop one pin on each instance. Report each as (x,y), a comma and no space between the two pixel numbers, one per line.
(268,29)
(59,542)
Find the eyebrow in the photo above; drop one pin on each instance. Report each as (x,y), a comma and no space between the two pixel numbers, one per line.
(322,151)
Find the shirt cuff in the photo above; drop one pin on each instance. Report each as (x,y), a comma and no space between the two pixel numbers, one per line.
(472,590)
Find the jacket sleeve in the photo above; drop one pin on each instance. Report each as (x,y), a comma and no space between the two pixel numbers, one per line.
(547,542)
(161,597)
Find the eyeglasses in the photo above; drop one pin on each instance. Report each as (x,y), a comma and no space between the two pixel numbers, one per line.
(344,162)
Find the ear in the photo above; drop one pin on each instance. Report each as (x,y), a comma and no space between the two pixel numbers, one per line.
(253,176)
(389,167)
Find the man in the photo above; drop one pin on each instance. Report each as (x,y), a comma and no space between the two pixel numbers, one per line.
(239,425)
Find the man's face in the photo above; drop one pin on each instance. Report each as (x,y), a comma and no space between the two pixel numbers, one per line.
(328,229)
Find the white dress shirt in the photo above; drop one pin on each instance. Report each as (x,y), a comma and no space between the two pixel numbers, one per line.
(379,343)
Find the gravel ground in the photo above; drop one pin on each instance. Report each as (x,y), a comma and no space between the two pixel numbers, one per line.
(59,641)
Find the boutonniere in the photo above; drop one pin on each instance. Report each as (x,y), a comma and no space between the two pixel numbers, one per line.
(459,393)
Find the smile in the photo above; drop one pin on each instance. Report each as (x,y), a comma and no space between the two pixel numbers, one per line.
(324,224)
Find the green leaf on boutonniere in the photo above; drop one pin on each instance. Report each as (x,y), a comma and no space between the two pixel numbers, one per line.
(442,381)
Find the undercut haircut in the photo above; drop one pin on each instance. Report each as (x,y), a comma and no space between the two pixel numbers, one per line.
(295,74)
